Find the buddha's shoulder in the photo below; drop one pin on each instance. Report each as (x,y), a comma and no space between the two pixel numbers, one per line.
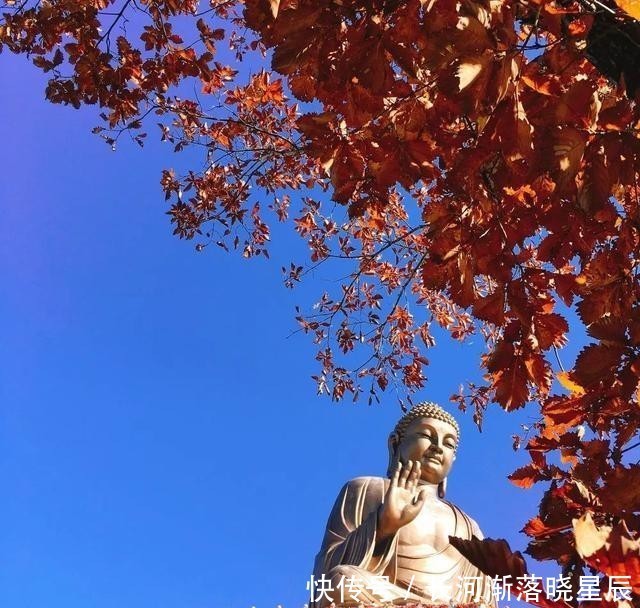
(367,480)
(366,484)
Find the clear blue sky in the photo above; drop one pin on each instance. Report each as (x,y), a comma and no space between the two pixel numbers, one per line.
(161,443)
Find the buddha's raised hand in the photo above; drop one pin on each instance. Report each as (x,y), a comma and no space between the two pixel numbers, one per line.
(403,499)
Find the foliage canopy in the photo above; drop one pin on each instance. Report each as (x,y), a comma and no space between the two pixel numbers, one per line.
(487,155)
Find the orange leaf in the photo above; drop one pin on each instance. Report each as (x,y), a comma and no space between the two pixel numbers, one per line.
(608,550)
(574,388)
(525,477)
(546,84)
(631,7)
(563,413)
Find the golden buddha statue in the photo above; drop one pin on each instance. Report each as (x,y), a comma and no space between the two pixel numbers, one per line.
(387,539)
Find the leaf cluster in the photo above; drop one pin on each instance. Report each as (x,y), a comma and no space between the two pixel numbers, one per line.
(482,159)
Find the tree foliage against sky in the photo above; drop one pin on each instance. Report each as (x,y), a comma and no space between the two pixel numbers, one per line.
(473,164)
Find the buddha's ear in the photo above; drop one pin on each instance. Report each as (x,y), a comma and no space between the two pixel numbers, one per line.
(392,444)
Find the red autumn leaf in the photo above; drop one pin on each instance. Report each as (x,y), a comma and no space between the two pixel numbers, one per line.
(491,308)
(621,489)
(539,372)
(525,476)
(609,330)
(596,362)
(346,170)
(511,385)
(547,84)
(557,547)
(550,330)
(610,550)
(579,106)
(611,300)
(568,146)
(535,527)
(563,413)
(538,529)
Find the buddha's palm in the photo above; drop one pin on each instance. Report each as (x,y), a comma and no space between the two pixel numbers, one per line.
(403,500)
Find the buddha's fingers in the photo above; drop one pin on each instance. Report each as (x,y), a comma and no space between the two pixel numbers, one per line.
(396,475)
(418,475)
(404,475)
(412,482)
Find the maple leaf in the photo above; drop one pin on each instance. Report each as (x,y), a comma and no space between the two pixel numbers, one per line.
(539,372)
(608,330)
(510,128)
(537,528)
(511,386)
(610,550)
(541,82)
(550,330)
(557,547)
(469,71)
(491,307)
(568,150)
(579,106)
(563,413)
(612,299)
(526,476)
(596,362)
(631,7)
(573,387)
(621,489)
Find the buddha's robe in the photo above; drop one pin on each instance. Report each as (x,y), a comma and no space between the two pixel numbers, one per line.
(418,560)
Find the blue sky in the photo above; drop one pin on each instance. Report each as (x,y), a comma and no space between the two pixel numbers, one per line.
(161,443)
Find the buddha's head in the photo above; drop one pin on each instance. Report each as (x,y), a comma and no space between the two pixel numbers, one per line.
(429,434)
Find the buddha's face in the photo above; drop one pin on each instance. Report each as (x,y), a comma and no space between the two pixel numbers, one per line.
(433,443)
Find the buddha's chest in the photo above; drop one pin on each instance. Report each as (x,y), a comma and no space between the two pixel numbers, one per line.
(431,528)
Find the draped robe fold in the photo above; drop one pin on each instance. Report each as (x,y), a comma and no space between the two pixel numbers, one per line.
(348,551)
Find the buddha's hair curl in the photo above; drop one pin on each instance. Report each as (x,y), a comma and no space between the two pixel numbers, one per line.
(425,409)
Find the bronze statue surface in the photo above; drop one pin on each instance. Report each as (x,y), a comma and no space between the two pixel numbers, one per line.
(387,539)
